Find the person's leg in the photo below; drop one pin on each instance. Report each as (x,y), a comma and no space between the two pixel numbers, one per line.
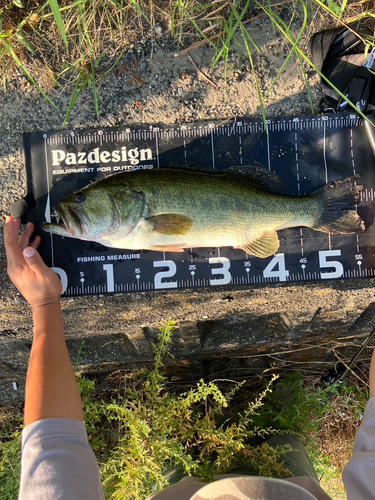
(298,462)
(174,473)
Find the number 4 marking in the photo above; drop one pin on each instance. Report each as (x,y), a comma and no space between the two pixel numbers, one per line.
(281,273)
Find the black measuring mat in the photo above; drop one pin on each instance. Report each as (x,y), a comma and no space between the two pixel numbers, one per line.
(306,153)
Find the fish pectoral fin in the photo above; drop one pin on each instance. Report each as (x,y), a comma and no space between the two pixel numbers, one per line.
(170,224)
(264,246)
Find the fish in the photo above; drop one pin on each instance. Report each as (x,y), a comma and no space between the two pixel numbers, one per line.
(171,209)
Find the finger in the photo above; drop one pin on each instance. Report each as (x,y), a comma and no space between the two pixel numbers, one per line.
(35,261)
(16,226)
(26,235)
(36,242)
(10,240)
(8,229)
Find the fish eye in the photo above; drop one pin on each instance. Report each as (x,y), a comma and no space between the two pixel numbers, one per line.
(79,197)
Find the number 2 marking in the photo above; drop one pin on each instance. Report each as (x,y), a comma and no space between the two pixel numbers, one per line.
(171,271)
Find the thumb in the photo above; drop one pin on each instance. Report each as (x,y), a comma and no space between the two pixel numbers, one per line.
(34,261)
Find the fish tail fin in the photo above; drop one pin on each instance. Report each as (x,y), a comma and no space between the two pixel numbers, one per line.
(338,207)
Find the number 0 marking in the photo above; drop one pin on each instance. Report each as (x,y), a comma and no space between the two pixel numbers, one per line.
(323,262)
(108,268)
(171,271)
(63,277)
(223,270)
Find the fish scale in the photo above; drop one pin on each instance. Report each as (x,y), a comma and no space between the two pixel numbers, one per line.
(173,209)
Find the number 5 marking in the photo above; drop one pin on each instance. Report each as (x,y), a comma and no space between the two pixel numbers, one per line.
(223,270)
(323,262)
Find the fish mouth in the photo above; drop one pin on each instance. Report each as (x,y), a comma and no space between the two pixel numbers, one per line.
(68,222)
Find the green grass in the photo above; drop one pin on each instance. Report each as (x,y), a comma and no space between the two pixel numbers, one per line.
(204,429)
(76,36)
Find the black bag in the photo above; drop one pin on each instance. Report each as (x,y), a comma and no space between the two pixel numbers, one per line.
(341,56)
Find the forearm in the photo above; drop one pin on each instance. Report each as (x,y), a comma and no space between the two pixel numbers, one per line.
(51,388)
(372,375)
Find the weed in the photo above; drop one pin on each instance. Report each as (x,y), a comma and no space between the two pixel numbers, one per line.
(83,40)
(138,436)
(326,419)
(159,430)
(10,453)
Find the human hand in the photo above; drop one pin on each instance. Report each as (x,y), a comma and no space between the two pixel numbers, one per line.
(38,284)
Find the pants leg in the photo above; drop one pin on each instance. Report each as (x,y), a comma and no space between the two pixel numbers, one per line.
(298,462)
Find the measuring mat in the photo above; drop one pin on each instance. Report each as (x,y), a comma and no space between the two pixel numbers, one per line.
(305,152)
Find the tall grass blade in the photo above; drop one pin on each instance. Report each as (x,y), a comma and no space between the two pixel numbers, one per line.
(84,27)
(137,7)
(245,35)
(25,42)
(93,82)
(232,30)
(59,21)
(76,93)
(25,72)
(308,60)
(273,16)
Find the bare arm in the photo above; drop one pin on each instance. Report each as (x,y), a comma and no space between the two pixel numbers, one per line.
(51,389)
(372,375)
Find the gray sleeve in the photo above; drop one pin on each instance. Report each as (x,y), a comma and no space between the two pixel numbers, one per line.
(57,462)
(359,474)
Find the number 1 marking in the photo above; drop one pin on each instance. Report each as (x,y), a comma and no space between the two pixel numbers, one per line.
(108,268)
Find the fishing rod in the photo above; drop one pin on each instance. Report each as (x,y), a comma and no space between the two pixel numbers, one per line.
(339,372)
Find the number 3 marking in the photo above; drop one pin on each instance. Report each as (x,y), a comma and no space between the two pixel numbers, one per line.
(223,270)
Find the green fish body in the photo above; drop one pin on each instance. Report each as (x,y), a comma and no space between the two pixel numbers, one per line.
(170,209)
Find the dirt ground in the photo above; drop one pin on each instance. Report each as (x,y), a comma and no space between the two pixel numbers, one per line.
(228,332)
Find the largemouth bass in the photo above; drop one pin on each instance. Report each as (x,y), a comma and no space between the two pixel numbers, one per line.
(170,209)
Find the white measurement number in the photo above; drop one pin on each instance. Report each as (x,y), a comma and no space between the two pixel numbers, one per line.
(276,268)
(335,264)
(220,270)
(63,277)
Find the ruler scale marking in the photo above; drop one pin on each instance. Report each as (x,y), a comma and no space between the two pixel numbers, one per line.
(310,247)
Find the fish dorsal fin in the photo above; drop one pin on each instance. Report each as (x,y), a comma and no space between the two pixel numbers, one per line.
(170,224)
(263,178)
(264,246)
